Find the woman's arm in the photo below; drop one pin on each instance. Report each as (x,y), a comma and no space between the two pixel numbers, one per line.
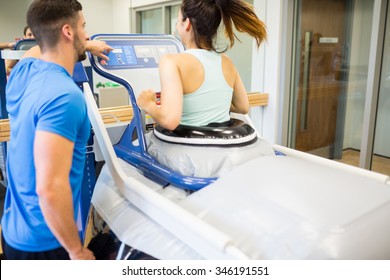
(9,64)
(7,45)
(168,114)
(240,102)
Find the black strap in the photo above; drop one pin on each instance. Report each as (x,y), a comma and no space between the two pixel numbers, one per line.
(233,129)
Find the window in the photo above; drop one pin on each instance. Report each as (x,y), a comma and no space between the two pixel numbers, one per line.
(150,21)
(156,19)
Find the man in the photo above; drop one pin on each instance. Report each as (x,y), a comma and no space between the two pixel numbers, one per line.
(49,132)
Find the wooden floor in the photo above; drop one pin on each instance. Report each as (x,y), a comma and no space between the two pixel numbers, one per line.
(379,164)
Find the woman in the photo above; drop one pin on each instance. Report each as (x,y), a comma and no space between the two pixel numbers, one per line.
(202,85)
(10,63)
(27,33)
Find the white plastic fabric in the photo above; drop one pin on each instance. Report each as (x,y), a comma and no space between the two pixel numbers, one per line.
(205,161)
(133,227)
(272,207)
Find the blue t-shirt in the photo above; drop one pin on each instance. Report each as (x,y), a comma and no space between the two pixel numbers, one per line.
(40,96)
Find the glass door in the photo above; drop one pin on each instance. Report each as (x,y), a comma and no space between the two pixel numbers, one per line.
(381,157)
(330,77)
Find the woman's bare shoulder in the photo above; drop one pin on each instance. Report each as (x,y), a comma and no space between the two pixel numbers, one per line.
(178,57)
(229,70)
(227,60)
(34,52)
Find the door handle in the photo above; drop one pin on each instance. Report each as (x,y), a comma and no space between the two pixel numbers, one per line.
(306,69)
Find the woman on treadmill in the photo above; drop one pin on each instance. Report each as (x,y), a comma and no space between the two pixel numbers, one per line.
(202,85)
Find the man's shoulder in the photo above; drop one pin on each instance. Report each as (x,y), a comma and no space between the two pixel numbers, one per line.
(20,73)
(23,64)
(27,60)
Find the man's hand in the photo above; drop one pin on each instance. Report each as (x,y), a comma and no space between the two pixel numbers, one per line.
(53,155)
(98,48)
(82,254)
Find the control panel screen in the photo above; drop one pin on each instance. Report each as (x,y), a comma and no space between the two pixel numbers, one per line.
(121,55)
(136,54)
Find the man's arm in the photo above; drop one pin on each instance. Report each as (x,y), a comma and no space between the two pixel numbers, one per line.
(53,161)
(98,48)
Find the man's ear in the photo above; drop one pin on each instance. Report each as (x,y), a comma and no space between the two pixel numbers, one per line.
(67,31)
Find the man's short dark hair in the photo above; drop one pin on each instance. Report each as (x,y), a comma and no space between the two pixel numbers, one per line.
(46,18)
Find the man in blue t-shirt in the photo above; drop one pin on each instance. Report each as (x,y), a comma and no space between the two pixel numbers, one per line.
(49,132)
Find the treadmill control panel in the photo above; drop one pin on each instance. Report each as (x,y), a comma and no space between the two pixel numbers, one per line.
(129,54)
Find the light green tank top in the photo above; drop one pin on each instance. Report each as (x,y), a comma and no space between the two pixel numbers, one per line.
(211,101)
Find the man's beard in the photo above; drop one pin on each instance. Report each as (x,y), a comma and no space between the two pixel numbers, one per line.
(80,48)
(81,57)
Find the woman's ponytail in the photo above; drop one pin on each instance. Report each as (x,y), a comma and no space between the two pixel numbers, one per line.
(242,16)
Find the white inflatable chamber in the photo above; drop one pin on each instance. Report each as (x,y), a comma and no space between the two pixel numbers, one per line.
(297,206)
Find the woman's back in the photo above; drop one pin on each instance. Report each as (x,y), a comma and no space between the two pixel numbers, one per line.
(192,71)
(208,80)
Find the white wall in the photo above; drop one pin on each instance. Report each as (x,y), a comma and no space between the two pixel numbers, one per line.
(98,16)
(142,3)
(12,19)
(102,16)
(107,16)
(266,68)
(359,59)
(121,16)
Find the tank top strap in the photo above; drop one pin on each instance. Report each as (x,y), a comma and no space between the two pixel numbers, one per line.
(211,61)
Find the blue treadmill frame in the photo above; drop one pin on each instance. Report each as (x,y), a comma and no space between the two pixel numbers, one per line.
(137,155)
(3,115)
